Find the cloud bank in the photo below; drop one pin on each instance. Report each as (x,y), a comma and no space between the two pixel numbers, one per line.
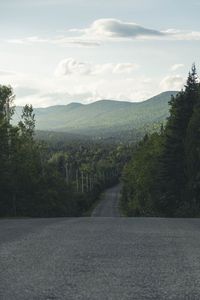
(173,82)
(71,66)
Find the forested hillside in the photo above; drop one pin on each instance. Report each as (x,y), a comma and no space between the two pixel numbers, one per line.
(105,118)
(40,179)
(163,177)
(62,173)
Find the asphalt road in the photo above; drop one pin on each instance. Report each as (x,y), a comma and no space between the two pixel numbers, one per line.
(100,258)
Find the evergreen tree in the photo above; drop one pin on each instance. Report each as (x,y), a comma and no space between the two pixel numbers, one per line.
(27,125)
(192,160)
(172,166)
(175,188)
(6,111)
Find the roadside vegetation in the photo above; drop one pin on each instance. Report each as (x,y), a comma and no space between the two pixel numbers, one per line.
(52,174)
(163,176)
(41,179)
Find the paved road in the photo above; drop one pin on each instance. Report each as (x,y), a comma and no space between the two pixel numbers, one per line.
(100,258)
(109,206)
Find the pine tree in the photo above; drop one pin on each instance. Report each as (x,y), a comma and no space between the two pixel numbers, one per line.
(173,177)
(192,159)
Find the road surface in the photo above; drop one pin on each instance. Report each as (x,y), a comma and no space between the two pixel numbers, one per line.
(100,259)
(109,206)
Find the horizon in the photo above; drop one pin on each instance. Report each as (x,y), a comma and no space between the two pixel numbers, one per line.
(53,52)
(101,100)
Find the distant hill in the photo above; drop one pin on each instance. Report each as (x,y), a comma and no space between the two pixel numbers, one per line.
(104,117)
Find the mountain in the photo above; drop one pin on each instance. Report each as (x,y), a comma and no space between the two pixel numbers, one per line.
(105,117)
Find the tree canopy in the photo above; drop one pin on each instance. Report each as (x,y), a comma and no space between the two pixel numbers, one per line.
(163,177)
(50,179)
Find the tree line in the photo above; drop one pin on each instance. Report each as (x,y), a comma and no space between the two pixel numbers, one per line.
(163,176)
(41,179)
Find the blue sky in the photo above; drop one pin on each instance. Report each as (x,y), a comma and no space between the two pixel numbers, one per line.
(60,51)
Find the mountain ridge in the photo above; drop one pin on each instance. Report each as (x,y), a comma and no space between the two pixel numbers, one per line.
(102,116)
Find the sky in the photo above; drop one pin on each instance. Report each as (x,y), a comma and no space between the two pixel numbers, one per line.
(56,52)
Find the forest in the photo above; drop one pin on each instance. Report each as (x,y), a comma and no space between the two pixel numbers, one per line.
(163,176)
(47,174)
(48,179)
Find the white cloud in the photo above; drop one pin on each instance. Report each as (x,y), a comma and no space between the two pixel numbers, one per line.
(125,68)
(111,68)
(113,28)
(108,30)
(177,67)
(173,82)
(58,40)
(71,66)
(182,35)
